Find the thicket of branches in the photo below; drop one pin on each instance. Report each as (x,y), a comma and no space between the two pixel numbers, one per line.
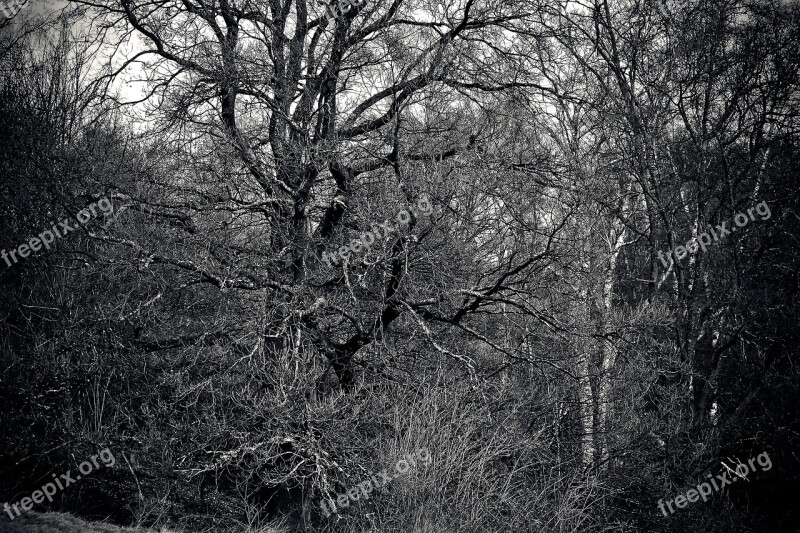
(525,332)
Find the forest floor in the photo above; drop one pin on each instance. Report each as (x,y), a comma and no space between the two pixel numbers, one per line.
(60,523)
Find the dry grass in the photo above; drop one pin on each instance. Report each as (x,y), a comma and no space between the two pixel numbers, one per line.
(32,522)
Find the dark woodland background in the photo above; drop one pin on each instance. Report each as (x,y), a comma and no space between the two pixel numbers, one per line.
(525,332)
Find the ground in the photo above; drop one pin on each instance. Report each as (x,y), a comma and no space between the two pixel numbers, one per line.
(59,523)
